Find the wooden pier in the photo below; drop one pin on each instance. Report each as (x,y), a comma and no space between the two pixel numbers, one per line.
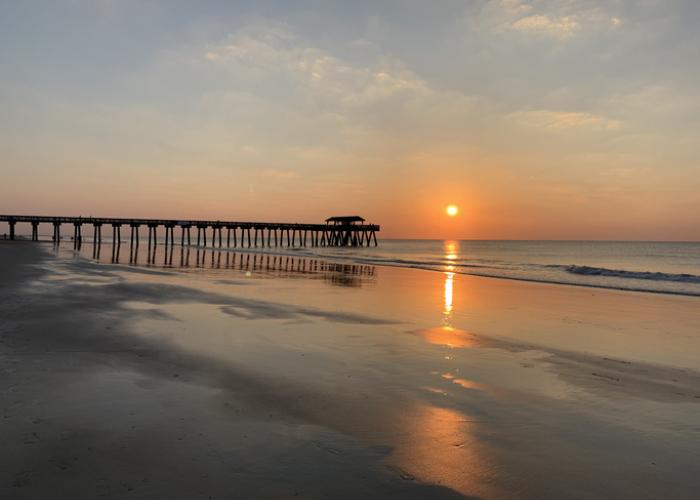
(338,231)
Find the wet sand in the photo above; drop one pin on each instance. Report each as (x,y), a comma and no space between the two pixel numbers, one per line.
(243,377)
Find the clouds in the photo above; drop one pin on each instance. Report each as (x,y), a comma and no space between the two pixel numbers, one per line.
(561,27)
(550,19)
(564,121)
(272,51)
(357,103)
(351,103)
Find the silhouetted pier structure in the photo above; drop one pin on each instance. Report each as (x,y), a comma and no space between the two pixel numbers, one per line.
(338,231)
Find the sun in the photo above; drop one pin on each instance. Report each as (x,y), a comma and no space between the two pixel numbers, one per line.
(452,210)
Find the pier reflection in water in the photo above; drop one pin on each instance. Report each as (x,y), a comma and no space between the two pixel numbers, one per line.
(264,264)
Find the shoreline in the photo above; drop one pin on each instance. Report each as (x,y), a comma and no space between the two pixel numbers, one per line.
(553,290)
(124,380)
(302,253)
(119,415)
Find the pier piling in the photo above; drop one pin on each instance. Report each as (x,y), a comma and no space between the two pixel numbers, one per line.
(337,231)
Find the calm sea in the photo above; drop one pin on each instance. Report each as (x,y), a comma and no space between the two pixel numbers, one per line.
(665,267)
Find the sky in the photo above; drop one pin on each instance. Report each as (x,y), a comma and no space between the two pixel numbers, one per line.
(541,119)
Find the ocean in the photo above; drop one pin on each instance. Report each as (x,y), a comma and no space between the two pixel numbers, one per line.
(658,267)
(655,267)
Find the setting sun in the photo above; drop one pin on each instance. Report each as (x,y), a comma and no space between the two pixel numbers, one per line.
(452,210)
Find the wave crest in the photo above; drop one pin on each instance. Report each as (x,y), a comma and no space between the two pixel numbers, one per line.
(640,275)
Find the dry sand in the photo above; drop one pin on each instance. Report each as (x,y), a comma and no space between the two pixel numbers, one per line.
(134,382)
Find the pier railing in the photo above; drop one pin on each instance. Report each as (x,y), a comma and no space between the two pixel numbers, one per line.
(238,234)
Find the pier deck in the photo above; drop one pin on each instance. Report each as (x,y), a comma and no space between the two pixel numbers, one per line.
(336,232)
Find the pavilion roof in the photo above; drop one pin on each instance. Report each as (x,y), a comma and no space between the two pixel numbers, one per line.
(345,218)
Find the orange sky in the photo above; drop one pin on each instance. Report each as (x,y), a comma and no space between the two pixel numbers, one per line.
(540,120)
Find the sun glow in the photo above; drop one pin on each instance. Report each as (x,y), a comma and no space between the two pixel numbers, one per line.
(452,210)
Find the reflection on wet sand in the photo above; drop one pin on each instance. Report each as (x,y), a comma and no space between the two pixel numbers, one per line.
(169,256)
(439,447)
(432,409)
(442,448)
(464,383)
(447,334)
(449,291)
(451,253)
(430,443)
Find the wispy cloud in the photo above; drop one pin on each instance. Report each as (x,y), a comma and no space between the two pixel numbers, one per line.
(557,27)
(562,120)
(275,49)
(548,19)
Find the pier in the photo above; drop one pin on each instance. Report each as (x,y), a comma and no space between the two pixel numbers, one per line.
(338,231)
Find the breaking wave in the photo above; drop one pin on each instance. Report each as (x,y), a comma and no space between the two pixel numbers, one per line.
(639,275)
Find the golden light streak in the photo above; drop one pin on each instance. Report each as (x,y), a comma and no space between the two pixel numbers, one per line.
(449,286)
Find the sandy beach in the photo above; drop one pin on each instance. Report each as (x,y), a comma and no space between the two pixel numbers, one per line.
(259,376)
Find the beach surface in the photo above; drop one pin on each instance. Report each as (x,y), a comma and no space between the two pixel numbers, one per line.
(237,375)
